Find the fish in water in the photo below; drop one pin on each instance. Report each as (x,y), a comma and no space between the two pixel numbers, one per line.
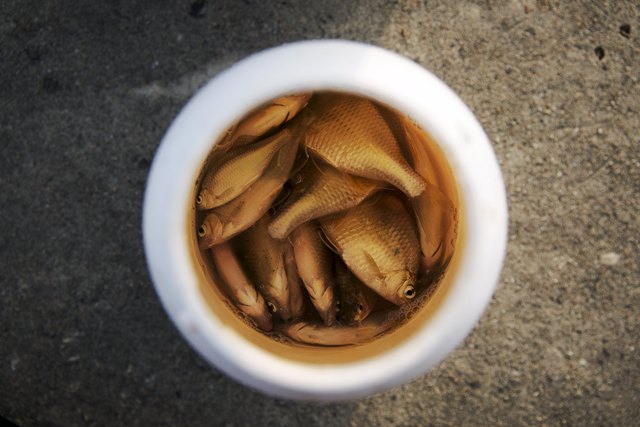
(378,241)
(350,134)
(262,258)
(241,291)
(238,169)
(435,218)
(337,335)
(296,294)
(222,223)
(319,190)
(356,300)
(268,118)
(435,212)
(315,265)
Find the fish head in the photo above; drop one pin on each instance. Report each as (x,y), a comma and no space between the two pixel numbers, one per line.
(401,285)
(206,199)
(279,301)
(324,300)
(260,317)
(209,231)
(358,312)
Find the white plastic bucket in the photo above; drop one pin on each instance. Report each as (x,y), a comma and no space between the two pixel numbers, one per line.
(340,66)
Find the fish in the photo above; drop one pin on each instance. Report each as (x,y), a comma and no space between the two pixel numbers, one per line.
(238,169)
(226,221)
(378,241)
(319,190)
(268,118)
(435,219)
(306,332)
(296,294)
(356,300)
(240,290)
(314,262)
(262,258)
(435,212)
(350,134)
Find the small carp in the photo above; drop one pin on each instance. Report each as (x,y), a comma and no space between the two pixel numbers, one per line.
(319,190)
(378,242)
(315,266)
(222,223)
(268,118)
(356,300)
(316,334)
(237,170)
(296,295)
(435,213)
(241,291)
(350,134)
(435,218)
(263,260)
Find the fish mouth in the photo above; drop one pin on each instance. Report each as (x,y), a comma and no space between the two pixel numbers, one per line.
(206,243)
(323,301)
(210,232)
(203,201)
(283,312)
(403,282)
(263,320)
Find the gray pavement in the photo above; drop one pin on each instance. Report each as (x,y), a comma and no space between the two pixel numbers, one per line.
(87,90)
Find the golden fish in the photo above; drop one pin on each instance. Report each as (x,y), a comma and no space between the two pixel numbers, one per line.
(237,170)
(435,213)
(224,222)
(319,190)
(243,294)
(378,241)
(266,119)
(296,295)
(350,134)
(435,218)
(317,334)
(315,266)
(263,260)
(356,300)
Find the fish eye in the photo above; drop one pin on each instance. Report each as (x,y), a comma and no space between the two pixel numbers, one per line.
(199,199)
(272,307)
(202,230)
(409,292)
(360,307)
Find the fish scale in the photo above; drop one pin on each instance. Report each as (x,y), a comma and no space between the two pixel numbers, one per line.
(356,300)
(378,242)
(263,260)
(321,190)
(350,134)
(238,170)
(222,223)
(315,265)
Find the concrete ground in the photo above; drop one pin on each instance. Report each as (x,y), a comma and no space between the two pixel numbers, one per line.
(87,90)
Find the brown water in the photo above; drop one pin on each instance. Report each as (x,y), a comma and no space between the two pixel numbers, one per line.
(440,214)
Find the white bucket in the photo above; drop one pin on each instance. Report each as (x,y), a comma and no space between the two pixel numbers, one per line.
(311,66)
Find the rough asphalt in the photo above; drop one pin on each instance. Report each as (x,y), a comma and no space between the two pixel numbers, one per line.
(87,90)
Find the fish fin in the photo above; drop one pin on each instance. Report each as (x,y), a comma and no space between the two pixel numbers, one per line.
(437,249)
(299,164)
(321,157)
(314,161)
(373,264)
(363,186)
(327,241)
(224,194)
